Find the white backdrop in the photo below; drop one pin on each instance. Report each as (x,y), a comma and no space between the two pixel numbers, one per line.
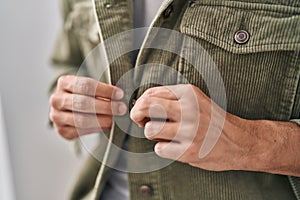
(6,181)
(42,163)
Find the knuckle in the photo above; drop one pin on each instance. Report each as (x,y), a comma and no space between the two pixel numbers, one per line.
(194,88)
(159,150)
(190,85)
(132,114)
(84,86)
(70,135)
(81,121)
(80,103)
(54,117)
(61,130)
(51,116)
(52,99)
(66,133)
(55,101)
(149,92)
(136,116)
(61,81)
(149,131)
(142,103)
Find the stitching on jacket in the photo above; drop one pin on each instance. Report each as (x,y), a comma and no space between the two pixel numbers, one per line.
(252,6)
(238,48)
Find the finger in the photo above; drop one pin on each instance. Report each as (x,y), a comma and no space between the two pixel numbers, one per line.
(80,120)
(169,131)
(155,108)
(66,132)
(70,132)
(87,104)
(90,87)
(171,92)
(160,92)
(170,150)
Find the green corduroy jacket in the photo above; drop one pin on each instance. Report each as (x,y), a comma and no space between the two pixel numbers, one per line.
(261,80)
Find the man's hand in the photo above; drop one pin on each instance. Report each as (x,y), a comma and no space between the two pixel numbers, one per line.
(237,144)
(82,105)
(187,112)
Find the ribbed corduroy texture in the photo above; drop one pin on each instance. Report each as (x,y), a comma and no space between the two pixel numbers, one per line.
(296,185)
(261,79)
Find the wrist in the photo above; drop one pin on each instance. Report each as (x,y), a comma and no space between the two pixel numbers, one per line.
(248,148)
(238,141)
(253,153)
(262,144)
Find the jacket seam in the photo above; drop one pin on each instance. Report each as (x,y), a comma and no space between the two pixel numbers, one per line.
(282,10)
(231,45)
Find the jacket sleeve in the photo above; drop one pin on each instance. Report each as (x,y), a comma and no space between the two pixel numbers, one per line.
(296,121)
(66,56)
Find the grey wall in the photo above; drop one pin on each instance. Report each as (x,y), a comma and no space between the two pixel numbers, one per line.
(42,163)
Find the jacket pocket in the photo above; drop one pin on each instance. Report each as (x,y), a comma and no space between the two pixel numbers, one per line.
(270,27)
(261,73)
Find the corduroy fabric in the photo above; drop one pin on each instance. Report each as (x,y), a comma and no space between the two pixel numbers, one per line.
(261,80)
(258,79)
(258,19)
(296,185)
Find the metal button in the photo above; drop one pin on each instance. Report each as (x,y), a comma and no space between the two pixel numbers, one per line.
(241,37)
(168,11)
(146,190)
(192,4)
(107,5)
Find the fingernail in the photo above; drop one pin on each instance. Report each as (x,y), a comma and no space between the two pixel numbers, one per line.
(118,94)
(122,109)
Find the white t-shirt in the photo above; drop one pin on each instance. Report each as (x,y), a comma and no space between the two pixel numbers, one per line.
(117,188)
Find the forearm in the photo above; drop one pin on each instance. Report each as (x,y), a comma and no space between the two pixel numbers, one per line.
(276,147)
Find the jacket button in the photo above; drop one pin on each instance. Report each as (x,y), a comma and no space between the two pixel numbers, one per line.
(146,191)
(192,4)
(168,11)
(108,5)
(241,37)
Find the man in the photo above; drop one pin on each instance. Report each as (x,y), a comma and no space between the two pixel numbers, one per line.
(255,47)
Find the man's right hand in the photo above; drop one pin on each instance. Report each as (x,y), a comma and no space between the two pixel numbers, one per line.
(83,105)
